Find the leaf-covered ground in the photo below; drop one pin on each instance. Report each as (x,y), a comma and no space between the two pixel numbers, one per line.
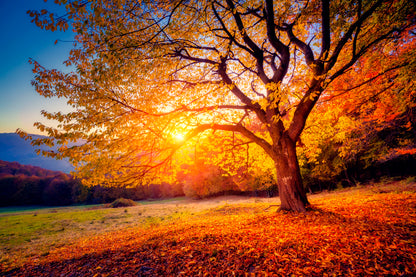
(345,234)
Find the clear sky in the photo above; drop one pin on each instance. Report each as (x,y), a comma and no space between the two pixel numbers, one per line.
(20,105)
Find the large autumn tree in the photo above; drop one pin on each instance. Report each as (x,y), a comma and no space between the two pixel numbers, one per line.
(145,71)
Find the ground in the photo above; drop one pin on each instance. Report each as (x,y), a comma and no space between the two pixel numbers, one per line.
(360,231)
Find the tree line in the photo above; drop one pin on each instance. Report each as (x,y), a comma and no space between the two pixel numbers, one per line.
(32,185)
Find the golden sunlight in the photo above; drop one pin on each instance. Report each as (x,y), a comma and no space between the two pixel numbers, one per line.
(179,137)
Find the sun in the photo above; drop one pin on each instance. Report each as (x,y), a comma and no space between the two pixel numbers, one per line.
(179,137)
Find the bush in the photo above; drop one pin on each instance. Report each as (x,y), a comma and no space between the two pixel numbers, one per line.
(122,202)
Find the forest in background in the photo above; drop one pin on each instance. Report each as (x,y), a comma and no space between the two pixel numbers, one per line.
(32,185)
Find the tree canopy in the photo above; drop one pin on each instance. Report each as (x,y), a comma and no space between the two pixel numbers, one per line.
(152,79)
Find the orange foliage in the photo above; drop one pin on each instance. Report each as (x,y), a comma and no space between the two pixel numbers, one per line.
(347,235)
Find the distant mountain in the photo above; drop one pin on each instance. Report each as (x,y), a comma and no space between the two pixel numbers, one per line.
(15,149)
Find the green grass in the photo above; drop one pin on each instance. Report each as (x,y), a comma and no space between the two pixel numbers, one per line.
(162,201)
(29,232)
(19,228)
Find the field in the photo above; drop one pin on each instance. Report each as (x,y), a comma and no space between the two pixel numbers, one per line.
(360,231)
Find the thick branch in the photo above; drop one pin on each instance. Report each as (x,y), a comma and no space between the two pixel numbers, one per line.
(305,48)
(233,128)
(304,108)
(326,30)
(253,46)
(282,49)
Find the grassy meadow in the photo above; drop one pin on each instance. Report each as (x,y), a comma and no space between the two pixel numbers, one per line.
(33,232)
(364,230)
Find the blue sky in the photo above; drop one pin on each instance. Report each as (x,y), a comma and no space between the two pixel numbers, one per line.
(20,105)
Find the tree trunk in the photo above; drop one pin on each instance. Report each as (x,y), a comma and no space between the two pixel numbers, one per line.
(289,181)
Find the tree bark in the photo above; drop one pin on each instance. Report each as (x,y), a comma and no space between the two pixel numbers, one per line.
(289,181)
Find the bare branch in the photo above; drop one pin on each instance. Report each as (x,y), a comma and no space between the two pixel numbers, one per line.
(243,32)
(179,53)
(222,70)
(212,108)
(192,84)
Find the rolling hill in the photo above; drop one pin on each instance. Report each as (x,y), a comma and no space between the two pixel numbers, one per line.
(15,149)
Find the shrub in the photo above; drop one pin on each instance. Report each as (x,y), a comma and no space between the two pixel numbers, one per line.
(122,202)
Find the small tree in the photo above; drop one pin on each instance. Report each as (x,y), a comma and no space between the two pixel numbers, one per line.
(148,70)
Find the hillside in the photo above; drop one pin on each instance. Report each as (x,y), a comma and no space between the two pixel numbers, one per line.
(22,185)
(15,149)
(15,168)
(33,185)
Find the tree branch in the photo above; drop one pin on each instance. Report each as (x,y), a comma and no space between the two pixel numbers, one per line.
(365,82)
(192,84)
(179,53)
(306,49)
(228,33)
(349,33)
(222,71)
(282,49)
(256,50)
(362,51)
(326,30)
(211,108)
(304,108)
(232,128)
(354,43)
